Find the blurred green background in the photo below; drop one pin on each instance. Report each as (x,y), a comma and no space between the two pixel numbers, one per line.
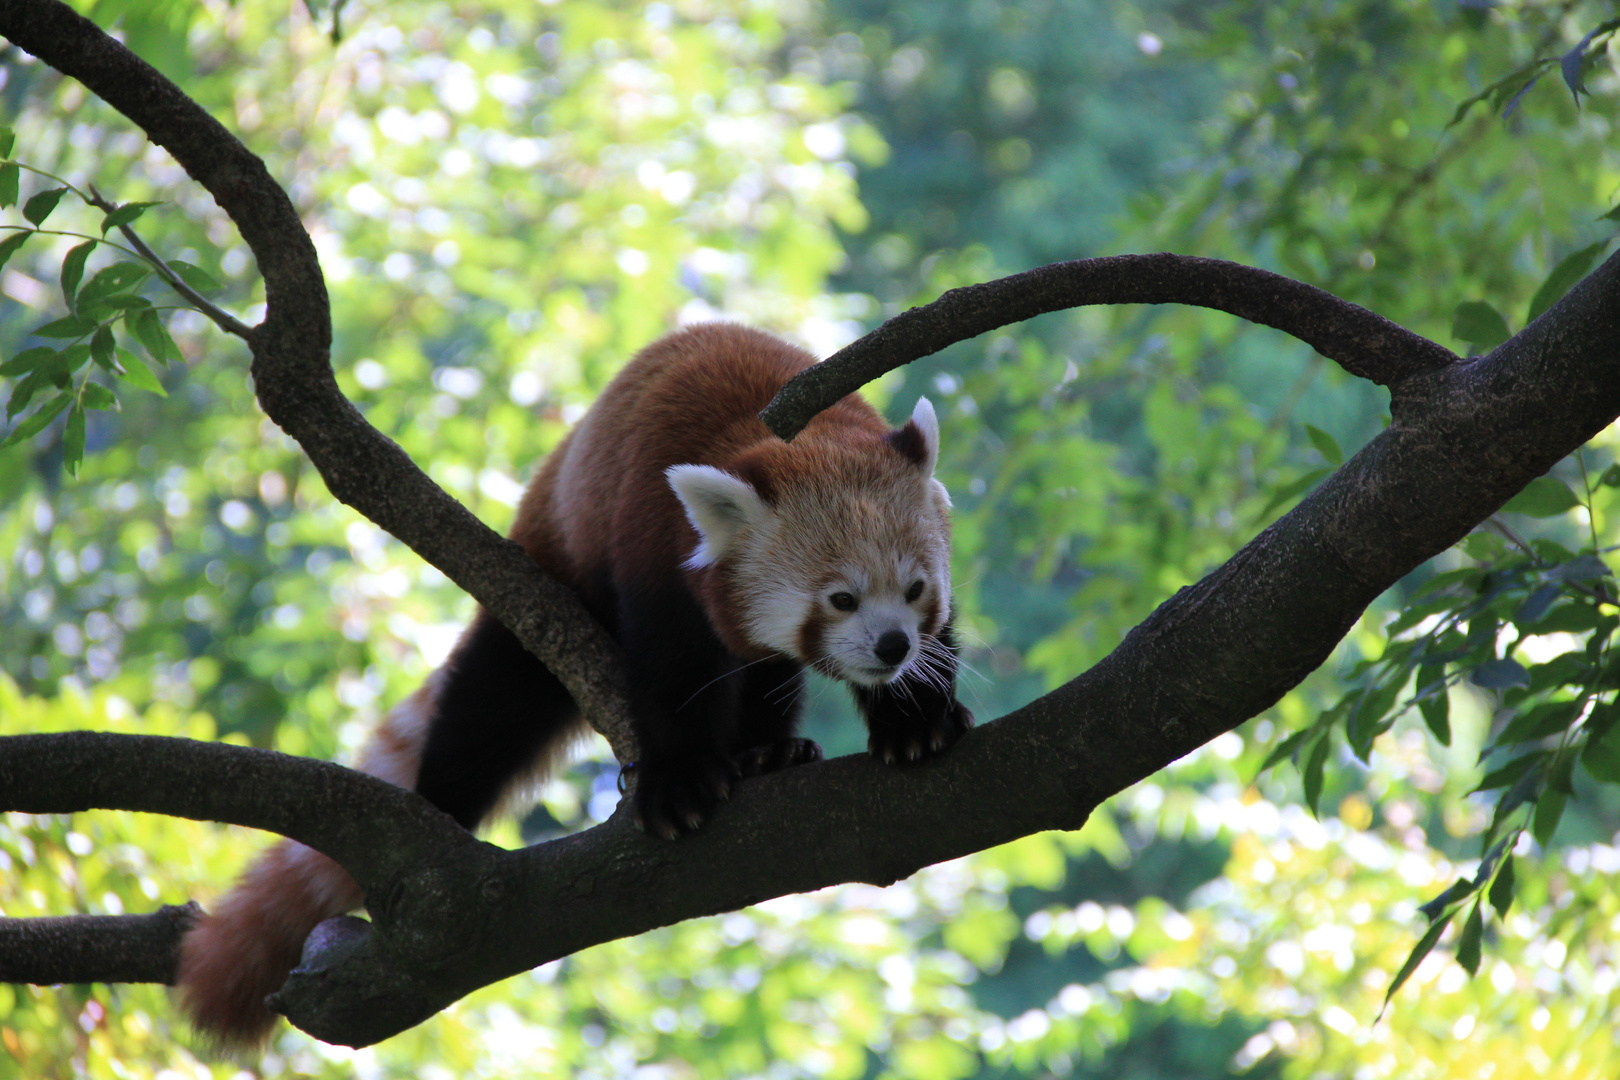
(510,198)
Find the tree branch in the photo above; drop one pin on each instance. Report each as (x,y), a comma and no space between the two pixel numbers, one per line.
(293,377)
(95,948)
(1211,656)
(1363,343)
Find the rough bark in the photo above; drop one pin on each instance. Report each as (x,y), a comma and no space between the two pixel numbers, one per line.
(451,914)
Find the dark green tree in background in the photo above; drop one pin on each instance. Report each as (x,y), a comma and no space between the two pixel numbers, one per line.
(509,199)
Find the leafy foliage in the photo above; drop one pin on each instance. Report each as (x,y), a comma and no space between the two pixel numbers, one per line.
(508,199)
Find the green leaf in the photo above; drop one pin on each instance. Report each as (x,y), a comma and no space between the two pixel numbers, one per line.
(1424,946)
(1435,705)
(150,331)
(39,207)
(1549,808)
(73,440)
(101,347)
(113,279)
(195,276)
(8,139)
(9,246)
(1436,908)
(1325,445)
(135,371)
(1311,774)
(1501,894)
(1477,323)
(73,271)
(1513,771)
(1543,497)
(1545,719)
(10,174)
(27,360)
(1284,749)
(1602,759)
(1569,270)
(1468,945)
(70,326)
(1500,674)
(96,396)
(123,215)
(36,423)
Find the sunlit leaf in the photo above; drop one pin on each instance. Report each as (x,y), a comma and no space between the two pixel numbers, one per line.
(10,177)
(137,373)
(1545,496)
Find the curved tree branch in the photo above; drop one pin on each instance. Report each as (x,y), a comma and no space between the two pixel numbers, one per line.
(293,377)
(1211,656)
(1468,436)
(1363,343)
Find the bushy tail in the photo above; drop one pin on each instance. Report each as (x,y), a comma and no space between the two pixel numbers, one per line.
(242,951)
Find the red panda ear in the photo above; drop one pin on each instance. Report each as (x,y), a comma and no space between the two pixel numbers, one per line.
(919,438)
(719,506)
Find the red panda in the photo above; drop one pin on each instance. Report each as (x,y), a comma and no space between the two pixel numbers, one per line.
(724,561)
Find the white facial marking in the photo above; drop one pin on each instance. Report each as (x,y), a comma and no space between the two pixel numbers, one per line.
(720,507)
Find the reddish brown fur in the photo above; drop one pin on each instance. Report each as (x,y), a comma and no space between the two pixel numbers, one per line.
(601,502)
(599,512)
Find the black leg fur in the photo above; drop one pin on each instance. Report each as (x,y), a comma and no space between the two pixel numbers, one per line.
(772,699)
(499,710)
(686,691)
(917,715)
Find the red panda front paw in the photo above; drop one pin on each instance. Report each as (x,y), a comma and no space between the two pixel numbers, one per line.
(773,756)
(675,795)
(901,738)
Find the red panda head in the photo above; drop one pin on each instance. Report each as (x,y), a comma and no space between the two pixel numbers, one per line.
(834,549)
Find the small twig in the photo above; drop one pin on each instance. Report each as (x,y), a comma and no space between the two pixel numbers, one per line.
(223,319)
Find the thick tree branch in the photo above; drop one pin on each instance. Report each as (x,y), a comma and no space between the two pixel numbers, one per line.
(1467,437)
(372,827)
(293,377)
(95,948)
(1362,342)
(1210,657)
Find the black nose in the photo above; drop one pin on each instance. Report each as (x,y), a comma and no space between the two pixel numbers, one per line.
(892,647)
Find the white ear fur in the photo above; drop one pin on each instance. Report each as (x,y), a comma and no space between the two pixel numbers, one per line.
(927,423)
(719,506)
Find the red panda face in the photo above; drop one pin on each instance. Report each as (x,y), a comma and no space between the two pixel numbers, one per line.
(846,565)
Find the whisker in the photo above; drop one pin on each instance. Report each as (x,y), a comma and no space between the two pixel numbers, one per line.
(717,678)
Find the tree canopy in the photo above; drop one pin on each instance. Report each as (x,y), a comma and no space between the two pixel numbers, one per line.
(506,200)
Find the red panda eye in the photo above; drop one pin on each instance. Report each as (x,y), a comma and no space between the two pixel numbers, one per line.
(914,592)
(843,601)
